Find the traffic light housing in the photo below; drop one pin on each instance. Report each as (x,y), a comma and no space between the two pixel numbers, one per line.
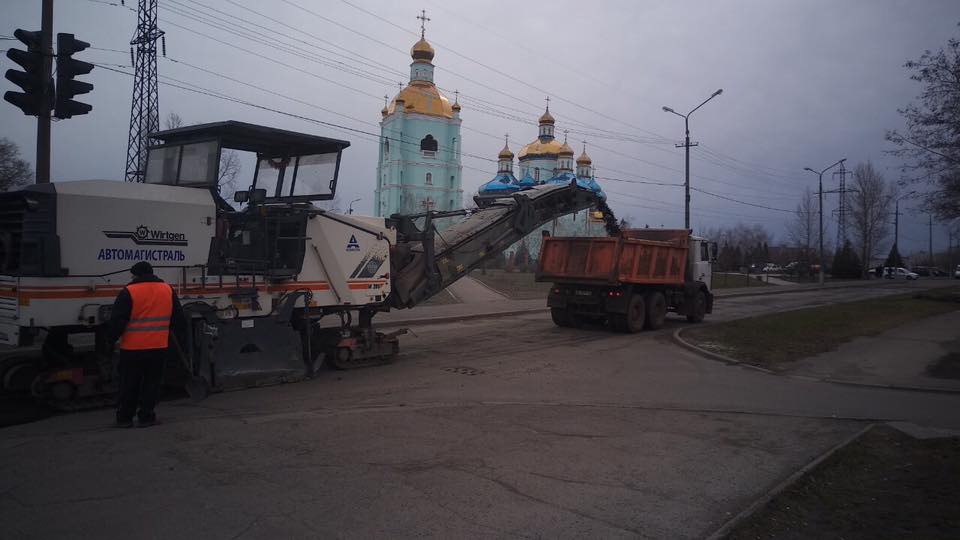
(67,69)
(36,97)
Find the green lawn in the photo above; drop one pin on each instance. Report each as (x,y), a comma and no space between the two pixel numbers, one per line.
(516,285)
(771,340)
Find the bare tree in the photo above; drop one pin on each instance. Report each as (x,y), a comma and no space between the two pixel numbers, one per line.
(870,203)
(802,228)
(930,144)
(172,121)
(229,169)
(14,172)
(229,161)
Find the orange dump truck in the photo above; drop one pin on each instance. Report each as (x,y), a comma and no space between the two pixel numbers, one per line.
(630,281)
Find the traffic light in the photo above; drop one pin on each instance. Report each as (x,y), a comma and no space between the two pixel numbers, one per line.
(67,69)
(34,99)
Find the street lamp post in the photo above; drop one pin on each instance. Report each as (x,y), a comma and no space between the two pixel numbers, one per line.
(820,194)
(687,145)
(350,209)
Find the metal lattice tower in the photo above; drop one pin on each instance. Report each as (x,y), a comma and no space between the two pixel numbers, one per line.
(145,106)
(842,208)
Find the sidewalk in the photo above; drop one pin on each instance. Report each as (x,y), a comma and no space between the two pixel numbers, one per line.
(909,356)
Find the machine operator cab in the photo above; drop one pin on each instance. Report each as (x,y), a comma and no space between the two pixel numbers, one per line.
(293,170)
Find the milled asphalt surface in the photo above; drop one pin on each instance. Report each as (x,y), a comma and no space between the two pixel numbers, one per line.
(502,427)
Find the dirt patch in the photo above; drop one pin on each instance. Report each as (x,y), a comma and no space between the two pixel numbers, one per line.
(884,485)
(772,340)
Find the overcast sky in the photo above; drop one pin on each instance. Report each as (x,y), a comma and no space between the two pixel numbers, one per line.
(805,83)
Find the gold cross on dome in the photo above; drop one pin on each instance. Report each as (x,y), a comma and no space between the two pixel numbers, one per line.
(548,103)
(423,19)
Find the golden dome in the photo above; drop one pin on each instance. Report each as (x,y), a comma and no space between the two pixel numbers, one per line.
(422,98)
(505,153)
(584,159)
(546,118)
(422,50)
(540,149)
(565,150)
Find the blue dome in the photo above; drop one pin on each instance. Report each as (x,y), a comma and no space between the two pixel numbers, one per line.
(502,183)
(527,182)
(565,179)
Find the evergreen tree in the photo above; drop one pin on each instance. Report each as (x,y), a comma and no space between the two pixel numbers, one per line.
(846,263)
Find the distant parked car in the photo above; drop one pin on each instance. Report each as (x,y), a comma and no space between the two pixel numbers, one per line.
(956,273)
(770,267)
(899,273)
(924,271)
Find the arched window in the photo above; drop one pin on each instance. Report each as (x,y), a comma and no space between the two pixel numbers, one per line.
(386,147)
(428,143)
(429,179)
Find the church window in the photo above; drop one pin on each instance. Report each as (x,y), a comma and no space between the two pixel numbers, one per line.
(536,173)
(428,144)
(451,180)
(429,179)
(386,148)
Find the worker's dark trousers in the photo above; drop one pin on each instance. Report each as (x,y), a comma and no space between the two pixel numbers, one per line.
(140,376)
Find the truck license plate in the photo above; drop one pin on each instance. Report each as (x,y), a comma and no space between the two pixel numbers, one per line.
(583,293)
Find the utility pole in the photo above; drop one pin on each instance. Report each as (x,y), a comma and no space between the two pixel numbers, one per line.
(896,225)
(842,208)
(820,195)
(686,145)
(43,119)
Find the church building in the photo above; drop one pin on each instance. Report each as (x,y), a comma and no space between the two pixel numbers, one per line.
(419,166)
(546,160)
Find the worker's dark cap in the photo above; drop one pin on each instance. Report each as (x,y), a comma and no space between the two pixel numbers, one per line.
(142,268)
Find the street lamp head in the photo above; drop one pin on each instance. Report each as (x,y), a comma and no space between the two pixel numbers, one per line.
(717,93)
(668,109)
(809,169)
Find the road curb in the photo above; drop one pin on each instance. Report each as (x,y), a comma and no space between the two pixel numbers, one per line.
(758,504)
(456,318)
(734,362)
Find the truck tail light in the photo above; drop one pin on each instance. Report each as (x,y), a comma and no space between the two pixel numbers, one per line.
(615,294)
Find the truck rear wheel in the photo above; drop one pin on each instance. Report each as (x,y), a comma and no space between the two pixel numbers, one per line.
(656,309)
(636,314)
(698,309)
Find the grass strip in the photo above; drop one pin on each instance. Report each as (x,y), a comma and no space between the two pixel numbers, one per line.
(770,340)
(884,485)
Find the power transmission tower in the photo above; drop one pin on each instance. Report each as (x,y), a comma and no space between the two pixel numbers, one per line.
(842,208)
(144,107)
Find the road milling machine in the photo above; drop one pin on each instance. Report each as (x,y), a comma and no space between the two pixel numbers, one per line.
(272,285)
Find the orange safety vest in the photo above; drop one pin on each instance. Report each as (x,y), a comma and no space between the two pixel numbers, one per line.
(149,325)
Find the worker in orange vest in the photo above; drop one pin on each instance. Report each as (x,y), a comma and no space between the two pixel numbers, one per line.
(144,314)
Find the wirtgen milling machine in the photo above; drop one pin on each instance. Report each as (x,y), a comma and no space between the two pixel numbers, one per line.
(270,290)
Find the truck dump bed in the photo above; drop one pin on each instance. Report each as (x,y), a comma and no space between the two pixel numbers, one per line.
(637,256)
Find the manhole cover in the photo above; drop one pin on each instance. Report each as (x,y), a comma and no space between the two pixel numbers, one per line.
(464,370)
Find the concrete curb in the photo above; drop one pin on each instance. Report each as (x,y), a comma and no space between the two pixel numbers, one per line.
(725,529)
(734,362)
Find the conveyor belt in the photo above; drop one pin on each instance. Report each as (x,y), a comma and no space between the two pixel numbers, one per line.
(431,261)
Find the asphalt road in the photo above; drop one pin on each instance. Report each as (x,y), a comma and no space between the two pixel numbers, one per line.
(504,427)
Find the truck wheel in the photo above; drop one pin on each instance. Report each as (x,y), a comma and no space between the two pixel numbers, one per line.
(656,309)
(699,308)
(636,314)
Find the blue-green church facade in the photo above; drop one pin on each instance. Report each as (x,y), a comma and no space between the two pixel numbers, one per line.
(419,166)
